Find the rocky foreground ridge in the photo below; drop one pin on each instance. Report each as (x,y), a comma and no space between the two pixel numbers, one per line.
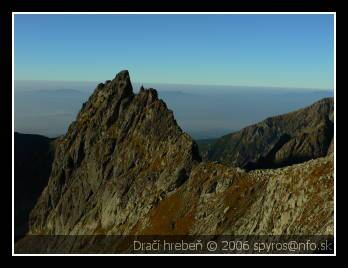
(126,168)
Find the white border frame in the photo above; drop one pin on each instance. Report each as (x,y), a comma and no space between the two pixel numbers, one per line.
(175,13)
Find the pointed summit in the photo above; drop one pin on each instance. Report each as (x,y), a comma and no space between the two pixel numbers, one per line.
(122,84)
(122,76)
(124,144)
(142,89)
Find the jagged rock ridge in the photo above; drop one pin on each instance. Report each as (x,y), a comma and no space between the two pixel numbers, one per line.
(126,167)
(279,141)
(122,148)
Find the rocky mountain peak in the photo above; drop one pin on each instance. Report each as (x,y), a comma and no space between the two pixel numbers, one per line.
(121,143)
(122,84)
(125,167)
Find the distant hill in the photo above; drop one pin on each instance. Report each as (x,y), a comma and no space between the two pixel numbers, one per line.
(277,141)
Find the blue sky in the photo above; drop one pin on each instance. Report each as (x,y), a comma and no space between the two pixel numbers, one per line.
(252,50)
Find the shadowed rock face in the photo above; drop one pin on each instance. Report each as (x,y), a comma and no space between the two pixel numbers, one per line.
(279,141)
(33,157)
(126,167)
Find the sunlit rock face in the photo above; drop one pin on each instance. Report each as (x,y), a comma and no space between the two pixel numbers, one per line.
(122,155)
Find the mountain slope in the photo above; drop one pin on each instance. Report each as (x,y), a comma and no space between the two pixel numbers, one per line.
(126,168)
(219,200)
(278,141)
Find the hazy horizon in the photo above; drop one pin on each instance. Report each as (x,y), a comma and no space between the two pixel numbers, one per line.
(202,111)
(95,83)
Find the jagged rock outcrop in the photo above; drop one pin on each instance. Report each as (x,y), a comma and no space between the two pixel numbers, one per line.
(278,141)
(122,155)
(126,168)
